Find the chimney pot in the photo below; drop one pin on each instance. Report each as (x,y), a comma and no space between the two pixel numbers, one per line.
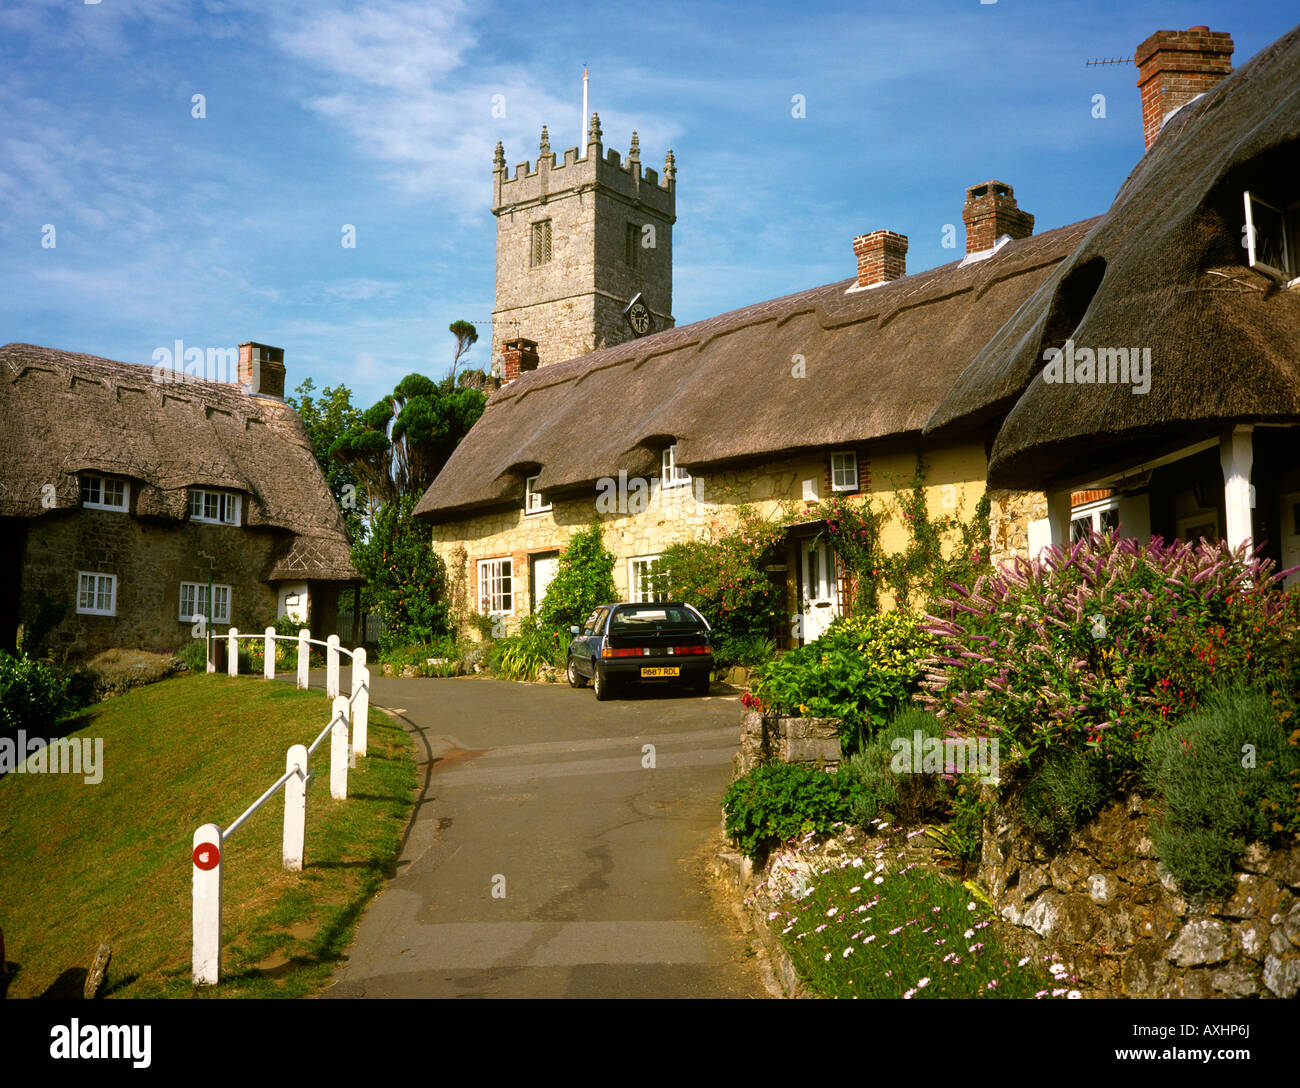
(517,357)
(1175,66)
(261,369)
(882,256)
(989,213)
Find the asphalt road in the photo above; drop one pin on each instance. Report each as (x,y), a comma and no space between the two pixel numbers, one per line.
(547,858)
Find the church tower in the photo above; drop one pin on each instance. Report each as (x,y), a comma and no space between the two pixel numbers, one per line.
(577,244)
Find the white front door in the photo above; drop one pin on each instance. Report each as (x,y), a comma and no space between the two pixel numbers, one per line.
(1291,536)
(544,568)
(817,563)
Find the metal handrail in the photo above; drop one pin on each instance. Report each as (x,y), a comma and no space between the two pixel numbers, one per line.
(311,748)
(289,638)
(227,832)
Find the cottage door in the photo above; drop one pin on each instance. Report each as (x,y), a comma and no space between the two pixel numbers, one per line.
(818,568)
(544,567)
(1291,536)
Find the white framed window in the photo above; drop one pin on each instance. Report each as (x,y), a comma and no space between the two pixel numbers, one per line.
(104,493)
(1093,517)
(496,586)
(534,501)
(540,248)
(1273,237)
(96,593)
(672,475)
(217,507)
(844,471)
(638,578)
(194,602)
(1194,527)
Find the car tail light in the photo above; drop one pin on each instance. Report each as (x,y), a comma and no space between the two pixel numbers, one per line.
(689,650)
(625,651)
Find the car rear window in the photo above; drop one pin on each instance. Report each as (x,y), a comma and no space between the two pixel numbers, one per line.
(648,616)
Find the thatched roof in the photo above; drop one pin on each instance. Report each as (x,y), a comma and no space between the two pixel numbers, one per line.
(1170,274)
(62,413)
(876,362)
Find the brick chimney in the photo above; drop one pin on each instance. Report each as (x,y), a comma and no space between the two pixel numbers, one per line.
(517,356)
(261,369)
(882,256)
(1174,66)
(990,212)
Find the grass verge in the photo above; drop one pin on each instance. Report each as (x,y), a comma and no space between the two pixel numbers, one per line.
(83,864)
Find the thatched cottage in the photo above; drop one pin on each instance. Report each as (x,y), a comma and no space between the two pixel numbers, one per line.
(803,397)
(1195,273)
(126,492)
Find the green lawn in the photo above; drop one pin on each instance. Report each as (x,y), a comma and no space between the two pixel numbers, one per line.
(83,864)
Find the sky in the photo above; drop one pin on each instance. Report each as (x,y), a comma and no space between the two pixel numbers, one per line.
(134,214)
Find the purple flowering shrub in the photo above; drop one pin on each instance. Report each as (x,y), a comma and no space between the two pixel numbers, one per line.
(1101,645)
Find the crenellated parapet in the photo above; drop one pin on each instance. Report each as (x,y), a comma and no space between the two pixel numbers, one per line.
(536,182)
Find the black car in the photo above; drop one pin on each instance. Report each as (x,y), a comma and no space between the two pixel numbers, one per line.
(649,641)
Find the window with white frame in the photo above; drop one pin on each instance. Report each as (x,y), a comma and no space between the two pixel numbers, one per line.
(534,501)
(217,507)
(672,475)
(496,586)
(1094,517)
(1273,237)
(194,602)
(104,493)
(844,471)
(639,586)
(96,593)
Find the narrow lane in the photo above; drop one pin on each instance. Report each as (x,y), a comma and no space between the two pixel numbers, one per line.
(553,853)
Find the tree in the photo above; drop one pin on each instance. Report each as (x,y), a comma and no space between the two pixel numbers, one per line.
(406,581)
(584,579)
(466,337)
(326,420)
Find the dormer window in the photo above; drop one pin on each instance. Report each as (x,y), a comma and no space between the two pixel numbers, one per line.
(216,507)
(104,493)
(672,475)
(1273,237)
(534,501)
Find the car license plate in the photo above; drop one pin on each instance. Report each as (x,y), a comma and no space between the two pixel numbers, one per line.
(666,670)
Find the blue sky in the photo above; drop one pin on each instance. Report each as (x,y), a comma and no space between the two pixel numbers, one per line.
(228,227)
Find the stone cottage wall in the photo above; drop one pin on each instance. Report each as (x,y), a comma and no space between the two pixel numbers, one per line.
(765,737)
(150,559)
(1115,916)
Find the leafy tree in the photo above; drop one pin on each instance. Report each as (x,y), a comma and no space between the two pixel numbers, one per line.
(466,337)
(407,582)
(327,419)
(584,578)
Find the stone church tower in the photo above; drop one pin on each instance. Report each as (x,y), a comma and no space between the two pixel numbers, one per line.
(577,242)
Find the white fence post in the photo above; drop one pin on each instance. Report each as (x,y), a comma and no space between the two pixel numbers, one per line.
(360,709)
(206,898)
(211,644)
(268,658)
(232,652)
(339,750)
(295,808)
(332,666)
(358,663)
(304,657)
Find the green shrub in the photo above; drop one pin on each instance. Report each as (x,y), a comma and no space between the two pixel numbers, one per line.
(723,576)
(194,653)
(32,695)
(747,650)
(523,656)
(584,580)
(777,802)
(910,797)
(445,651)
(1064,793)
(862,670)
(1221,777)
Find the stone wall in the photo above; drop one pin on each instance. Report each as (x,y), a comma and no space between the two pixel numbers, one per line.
(150,559)
(954,483)
(1113,913)
(765,737)
(1010,513)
